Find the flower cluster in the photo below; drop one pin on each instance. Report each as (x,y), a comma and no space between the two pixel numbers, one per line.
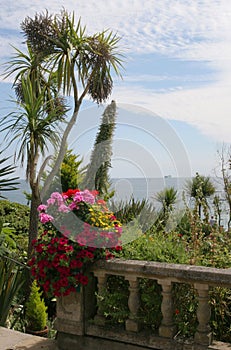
(79,229)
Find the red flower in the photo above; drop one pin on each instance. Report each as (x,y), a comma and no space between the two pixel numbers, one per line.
(94,193)
(69,193)
(68,248)
(31,262)
(64,282)
(58,260)
(82,279)
(76,264)
(118,248)
(33,271)
(42,274)
(39,248)
(51,249)
(46,286)
(101,202)
(109,255)
(64,270)
(63,241)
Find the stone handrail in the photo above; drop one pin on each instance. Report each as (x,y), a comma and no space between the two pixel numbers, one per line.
(155,270)
(78,316)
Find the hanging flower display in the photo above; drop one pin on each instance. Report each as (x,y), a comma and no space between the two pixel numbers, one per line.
(78,230)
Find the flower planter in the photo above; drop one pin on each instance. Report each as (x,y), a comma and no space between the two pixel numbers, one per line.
(43,333)
(78,230)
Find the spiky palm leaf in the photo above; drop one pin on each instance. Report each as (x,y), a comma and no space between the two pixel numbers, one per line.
(200,186)
(6,183)
(32,126)
(71,51)
(12,278)
(167,198)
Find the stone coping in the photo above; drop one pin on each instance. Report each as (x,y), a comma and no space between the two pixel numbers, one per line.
(14,340)
(158,270)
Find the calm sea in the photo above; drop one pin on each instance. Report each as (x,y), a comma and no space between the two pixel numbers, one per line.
(147,188)
(139,188)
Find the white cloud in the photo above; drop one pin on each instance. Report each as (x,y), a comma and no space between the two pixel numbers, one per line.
(184,29)
(208,108)
(167,26)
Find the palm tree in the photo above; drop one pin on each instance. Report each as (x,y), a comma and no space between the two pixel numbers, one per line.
(34,127)
(61,58)
(81,64)
(167,198)
(200,188)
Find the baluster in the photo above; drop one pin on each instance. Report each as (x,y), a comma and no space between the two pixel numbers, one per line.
(203,335)
(167,328)
(132,323)
(99,318)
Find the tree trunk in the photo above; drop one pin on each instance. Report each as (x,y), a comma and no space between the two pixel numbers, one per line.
(34,218)
(61,153)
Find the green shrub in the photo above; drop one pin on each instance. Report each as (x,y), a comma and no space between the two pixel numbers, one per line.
(17,217)
(113,301)
(157,247)
(185,306)
(150,303)
(194,242)
(35,313)
(220,302)
(140,210)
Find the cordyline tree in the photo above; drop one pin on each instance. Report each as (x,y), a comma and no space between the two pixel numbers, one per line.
(61,60)
(97,174)
(167,198)
(200,188)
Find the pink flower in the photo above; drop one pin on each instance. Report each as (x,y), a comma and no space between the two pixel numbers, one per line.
(42,207)
(44,218)
(55,197)
(78,197)
(118,229)
(72,206)
(50,201)
(88,197)
(63,208)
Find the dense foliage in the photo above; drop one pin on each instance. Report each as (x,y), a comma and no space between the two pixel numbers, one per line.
(16,216)
(193,241)
(36,310)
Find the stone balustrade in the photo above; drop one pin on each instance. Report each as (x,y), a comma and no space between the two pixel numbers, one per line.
(80,321)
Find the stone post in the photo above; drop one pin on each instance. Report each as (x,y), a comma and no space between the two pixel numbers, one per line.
(203,334)
(132,323)
(167,328)
(99,318)
(70,314)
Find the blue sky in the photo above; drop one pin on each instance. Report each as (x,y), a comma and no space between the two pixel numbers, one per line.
(177,67)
